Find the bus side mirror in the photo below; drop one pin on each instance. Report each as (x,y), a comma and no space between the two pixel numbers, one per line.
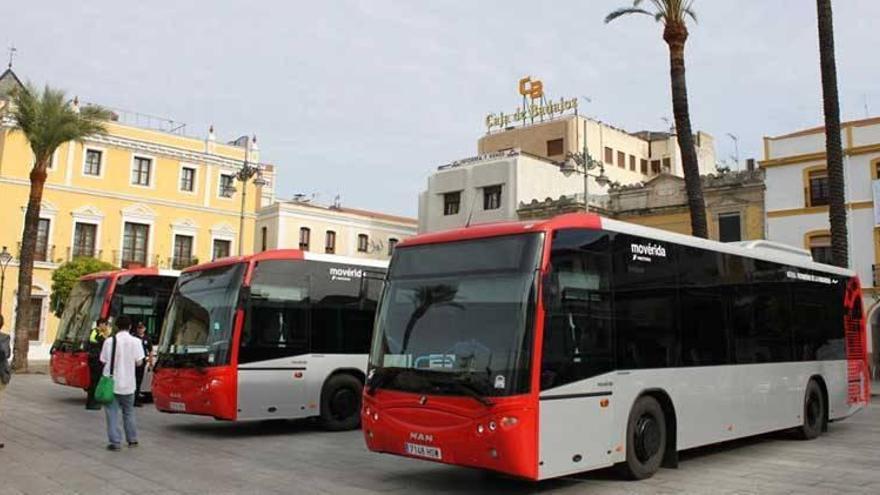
(244,295)
(550,290)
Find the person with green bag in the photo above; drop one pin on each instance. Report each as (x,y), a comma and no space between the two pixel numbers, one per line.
(121,355)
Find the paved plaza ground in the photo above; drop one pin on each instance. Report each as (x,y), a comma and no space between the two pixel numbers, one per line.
(53,445)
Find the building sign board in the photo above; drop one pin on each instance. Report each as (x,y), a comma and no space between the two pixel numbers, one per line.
(534,106)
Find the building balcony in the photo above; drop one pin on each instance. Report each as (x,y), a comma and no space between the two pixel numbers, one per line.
(73,253)
(42,254)
(181,262)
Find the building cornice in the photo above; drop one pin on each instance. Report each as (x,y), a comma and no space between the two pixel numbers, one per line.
(166,150)
(127,197)
(811,210)
(339,218)
(818,156)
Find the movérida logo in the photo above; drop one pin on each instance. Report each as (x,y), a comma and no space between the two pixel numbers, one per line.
(345,274)
(647,251)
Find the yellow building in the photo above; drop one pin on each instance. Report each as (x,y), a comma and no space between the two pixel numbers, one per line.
(734,205)
(133,197)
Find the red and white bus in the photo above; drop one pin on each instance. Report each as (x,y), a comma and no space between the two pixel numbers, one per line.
(541,349)
(278,334)
(141,293)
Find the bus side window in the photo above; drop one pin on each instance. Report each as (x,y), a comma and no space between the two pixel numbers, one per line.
(578,340)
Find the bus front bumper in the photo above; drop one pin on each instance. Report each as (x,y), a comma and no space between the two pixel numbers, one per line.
(454,430)
(205,392)
(70,368)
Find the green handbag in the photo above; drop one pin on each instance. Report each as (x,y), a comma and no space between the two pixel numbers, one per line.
(104,391)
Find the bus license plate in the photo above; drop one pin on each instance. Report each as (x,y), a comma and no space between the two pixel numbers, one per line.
(423,451)
(177,406)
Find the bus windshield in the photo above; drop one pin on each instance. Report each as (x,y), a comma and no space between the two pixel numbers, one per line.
(81,310)
(456,317)
(198,326)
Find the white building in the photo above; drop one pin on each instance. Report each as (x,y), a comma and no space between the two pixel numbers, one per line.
(330,229)
(521,164)
(797,197)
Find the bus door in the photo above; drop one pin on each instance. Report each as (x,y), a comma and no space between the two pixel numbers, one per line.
(576,408)
(274,343)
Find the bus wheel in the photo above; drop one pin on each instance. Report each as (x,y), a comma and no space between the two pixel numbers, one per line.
(645,439)
(814,412)
(341,403)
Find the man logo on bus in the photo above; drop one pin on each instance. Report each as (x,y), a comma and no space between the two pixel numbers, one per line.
(647,252)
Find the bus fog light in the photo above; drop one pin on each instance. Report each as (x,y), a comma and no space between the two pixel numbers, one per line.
(492,426)
(493,453)
(370,434)
(367,412)
(375,416)
(480,429)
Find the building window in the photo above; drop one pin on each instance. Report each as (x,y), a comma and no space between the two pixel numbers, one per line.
(667,165)
(818,188)
(84,235)
(36,319)
(621,159)
(93,162)
(222,249)
(183,245)
(41,252)
(330,242)
(264,238)
(555,147)
(609,156)
(729,227)
(187,179)
(134,244)
(227,186)
(492,197)
(392,243)
(644,166)
(820,248)
(632,163)
(305,235)
(877,170)
(451,203)
(363,243)
(655,167)
(141,171)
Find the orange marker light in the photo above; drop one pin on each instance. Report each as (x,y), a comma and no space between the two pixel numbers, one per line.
(604,403)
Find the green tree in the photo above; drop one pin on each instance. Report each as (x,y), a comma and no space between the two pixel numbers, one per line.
(66,275)
(833,150)
(47,120)
(673,14)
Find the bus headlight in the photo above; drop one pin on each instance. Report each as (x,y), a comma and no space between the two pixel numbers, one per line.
(508,422)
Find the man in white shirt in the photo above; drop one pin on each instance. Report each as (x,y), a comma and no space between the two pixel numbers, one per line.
(129,354)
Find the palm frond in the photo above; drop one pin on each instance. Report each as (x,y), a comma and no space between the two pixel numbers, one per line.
(690,13)
(625,11)
(47,120)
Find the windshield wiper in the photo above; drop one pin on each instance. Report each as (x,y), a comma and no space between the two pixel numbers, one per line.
(467,387)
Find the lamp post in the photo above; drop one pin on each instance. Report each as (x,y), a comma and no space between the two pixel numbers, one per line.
(5,259)
(246,173)
(583,163)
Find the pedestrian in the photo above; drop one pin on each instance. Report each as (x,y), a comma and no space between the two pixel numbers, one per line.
(96,342)
(122,353)
(140,332)
(5,372)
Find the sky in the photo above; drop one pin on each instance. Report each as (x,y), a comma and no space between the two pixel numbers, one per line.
(364,98)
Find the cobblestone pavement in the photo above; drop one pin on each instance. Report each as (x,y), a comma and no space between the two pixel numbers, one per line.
(53,445)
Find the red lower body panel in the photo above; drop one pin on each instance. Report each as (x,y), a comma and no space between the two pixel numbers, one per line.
(70,368)
(455,430)
(206,392)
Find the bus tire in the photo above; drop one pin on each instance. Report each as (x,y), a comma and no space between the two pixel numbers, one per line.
(645,439)
(814,412)
(341,403)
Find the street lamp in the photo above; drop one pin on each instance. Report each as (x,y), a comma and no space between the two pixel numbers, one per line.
(583,163)
(246,173)
(5,259)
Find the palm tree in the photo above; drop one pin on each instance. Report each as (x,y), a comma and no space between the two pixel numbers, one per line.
(47,120)
(672,13)
(833,152)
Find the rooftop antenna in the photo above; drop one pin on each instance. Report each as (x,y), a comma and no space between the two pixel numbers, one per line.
(865,98)
(735,140)
(12,50)
(669,123)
